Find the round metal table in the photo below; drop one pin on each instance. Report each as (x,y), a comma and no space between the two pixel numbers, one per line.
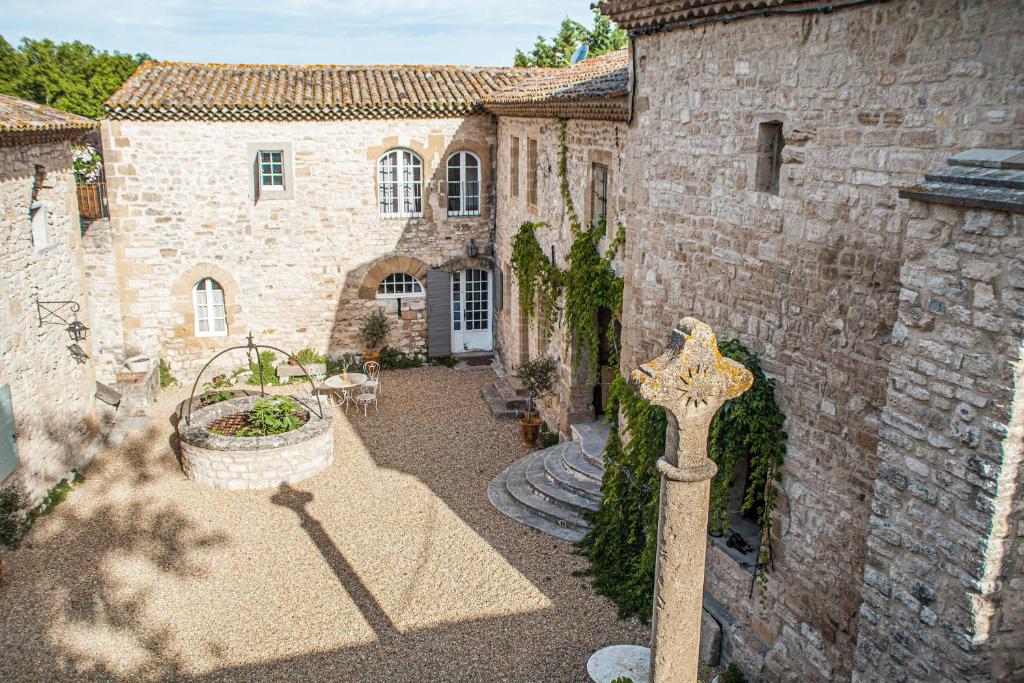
(342,384)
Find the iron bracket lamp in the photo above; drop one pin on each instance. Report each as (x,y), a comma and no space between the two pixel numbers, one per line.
(471,248)
(62,313)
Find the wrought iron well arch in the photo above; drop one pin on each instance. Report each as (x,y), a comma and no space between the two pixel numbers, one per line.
(249,347)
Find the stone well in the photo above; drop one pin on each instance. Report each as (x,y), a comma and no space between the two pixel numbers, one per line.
(233,462)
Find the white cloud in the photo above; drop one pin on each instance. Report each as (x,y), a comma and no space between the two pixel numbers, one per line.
(484,32)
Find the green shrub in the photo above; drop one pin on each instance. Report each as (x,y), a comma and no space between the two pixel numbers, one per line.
(270,416)
(166,378)
(375,328)
(538,376)
(548,438)
(13,522)
(308,356)
(447,361)
(267,359)
(733,674)
(623,679)
(393,359)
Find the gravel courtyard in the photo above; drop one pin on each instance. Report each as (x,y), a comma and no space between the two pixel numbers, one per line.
(390,565)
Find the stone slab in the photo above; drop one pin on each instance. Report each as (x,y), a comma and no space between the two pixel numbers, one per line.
(620,661)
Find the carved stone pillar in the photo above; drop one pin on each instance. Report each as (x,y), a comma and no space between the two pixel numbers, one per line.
(691,380)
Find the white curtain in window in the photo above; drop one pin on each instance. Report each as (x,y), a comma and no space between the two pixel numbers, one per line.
(210,313)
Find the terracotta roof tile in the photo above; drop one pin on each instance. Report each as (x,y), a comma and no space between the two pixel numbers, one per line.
(171,90)
(594,88)
(22,116)
(641,16)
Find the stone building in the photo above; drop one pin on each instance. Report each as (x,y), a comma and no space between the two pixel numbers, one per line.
(47,385)
(767,145)
(780,170)
(289,201)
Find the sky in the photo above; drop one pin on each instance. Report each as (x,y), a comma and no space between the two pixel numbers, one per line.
(476,32)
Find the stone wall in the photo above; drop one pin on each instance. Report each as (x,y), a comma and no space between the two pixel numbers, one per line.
(944,568)
(52,394)
(107,339)
(588,142)
(295,271)
(870,99)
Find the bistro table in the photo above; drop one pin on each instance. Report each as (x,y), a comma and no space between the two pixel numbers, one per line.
(343,384)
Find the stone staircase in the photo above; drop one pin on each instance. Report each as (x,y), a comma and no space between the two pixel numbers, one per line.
(552,490)
(506,397)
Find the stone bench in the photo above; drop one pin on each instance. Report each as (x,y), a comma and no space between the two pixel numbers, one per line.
(318,371)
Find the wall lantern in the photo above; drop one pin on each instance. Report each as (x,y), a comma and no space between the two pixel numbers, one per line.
(62,313)
(471,248)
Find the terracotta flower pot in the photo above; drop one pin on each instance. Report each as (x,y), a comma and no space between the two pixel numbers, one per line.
(529,427)
(371,356)
(292,361)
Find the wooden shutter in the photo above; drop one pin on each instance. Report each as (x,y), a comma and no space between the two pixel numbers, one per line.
(439,321)
(498,283)
(8,449)
(256,178)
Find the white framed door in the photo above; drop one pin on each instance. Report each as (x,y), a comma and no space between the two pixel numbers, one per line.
(472,324)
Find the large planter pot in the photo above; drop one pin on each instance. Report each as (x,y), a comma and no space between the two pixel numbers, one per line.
(137,364)
(371,356)
(529,427)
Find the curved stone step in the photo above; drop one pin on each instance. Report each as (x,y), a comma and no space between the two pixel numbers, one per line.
(537,478)
(560,475)
(591,437)
(577,463)
(504,503)
(519,488)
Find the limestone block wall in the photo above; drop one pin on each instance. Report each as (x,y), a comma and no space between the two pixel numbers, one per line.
(52,394)
(295,271)
(942,581)
(101,285)
(588,142)
(870,99)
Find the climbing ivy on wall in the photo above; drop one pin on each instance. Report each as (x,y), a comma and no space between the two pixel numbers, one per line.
(589,284)
(622,544)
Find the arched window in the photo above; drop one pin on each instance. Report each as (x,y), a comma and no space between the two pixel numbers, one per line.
(463,184)
(399,285)
(208,305)
(400,184)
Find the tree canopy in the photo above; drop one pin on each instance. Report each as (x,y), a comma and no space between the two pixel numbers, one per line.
(557,51)
(73,77)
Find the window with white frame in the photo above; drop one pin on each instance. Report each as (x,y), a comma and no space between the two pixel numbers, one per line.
(271,170)
(598,193)
(40,225)
(463,184)
(208,306)
(399,285)
(400,184)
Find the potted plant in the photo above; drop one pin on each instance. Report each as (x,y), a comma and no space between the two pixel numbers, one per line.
(538,377)
(375,328)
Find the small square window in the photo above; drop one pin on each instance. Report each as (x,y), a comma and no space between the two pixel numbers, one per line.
(271,169)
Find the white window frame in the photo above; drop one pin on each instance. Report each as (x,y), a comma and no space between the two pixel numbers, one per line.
(40,218)
(271,173)
(415,287)
(461,188)
(407,191)
(208,286)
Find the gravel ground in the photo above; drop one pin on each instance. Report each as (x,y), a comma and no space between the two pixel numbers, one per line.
(390,565)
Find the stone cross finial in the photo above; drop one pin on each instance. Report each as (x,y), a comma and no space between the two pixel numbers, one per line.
(691,379)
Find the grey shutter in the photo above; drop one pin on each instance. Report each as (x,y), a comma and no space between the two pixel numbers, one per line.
(439,320)
(499,290)
(256,178)
(8,450)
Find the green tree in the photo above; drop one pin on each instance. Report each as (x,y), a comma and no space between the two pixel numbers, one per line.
(73,77)
(557,51)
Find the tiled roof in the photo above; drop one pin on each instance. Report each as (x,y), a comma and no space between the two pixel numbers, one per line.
(594,88)
(639,16)
(22,116)
(170,90)
(977,178)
